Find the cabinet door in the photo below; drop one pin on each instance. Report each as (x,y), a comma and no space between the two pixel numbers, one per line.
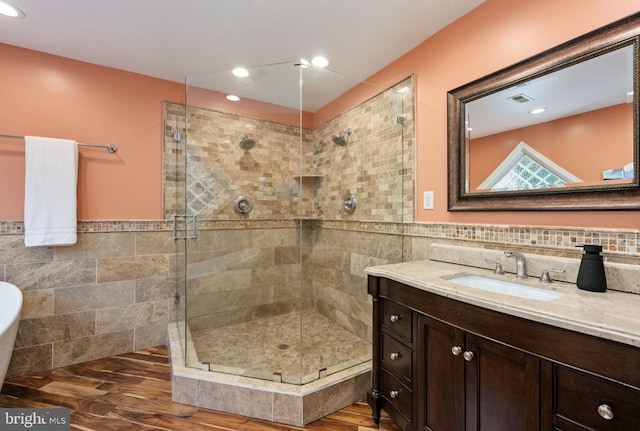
(583,401)
(503,387)
(443,376)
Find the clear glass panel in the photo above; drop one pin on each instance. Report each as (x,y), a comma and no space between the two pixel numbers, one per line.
(279,293)
(243,270)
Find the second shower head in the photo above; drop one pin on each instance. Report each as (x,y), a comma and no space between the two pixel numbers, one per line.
(246,143)
(342,138)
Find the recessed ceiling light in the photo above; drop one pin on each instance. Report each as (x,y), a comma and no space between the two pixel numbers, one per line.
(240,72)
(538,111)
(320,61)
(233,97)
(11,11)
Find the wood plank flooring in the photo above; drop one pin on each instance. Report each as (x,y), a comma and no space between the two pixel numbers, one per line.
(133,392)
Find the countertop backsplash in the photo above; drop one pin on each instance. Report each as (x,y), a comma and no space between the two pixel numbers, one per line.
(621,277)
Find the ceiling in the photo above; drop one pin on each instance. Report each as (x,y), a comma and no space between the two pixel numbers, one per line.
(599,82)
(171,39)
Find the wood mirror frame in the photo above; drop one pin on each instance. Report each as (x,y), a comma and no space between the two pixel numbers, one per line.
(610,197)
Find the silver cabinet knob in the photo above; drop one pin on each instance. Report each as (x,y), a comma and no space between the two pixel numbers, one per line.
(394,394)
(468,355)
(394,356)
(394,318)
(605,411)
(456,350)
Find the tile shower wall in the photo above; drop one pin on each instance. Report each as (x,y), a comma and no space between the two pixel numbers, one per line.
(252,271)
(219,170)
(79,300)
(370,165)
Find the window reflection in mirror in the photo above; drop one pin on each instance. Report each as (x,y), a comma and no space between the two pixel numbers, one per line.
(576,124)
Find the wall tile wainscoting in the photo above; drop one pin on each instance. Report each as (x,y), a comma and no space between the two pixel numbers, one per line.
(76,297)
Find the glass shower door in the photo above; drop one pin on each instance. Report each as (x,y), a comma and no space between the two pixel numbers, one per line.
(243,275)
(293,200)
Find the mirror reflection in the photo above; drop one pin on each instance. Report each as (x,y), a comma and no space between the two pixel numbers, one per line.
(572,127)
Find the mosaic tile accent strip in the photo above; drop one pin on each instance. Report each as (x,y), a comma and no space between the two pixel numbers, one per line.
(103,226)
(203,188)
(612,240)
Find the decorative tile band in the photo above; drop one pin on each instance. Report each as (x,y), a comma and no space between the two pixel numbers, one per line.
(612,240)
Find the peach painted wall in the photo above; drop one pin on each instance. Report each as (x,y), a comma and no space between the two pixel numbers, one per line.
(47,95)
(58,97)
(584,144)
(494,35)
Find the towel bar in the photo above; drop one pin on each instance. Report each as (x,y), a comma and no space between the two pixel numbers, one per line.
(110,148)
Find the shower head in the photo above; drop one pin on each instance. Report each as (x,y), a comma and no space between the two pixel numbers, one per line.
(340,138)
(246,143)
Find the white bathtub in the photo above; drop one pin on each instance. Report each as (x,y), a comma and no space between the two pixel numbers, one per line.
(10,307)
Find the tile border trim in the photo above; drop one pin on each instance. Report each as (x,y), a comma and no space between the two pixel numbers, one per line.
(626,241)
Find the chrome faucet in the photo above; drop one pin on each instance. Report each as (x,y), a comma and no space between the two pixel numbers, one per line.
(521,263)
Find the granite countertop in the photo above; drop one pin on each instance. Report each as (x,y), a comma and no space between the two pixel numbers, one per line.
(612,315)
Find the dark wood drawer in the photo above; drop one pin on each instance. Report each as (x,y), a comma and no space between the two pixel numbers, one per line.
(397,394)
(579,397)
(397,318)
(397,357)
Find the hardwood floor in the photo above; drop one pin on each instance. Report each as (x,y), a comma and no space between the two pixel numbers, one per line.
(133,392)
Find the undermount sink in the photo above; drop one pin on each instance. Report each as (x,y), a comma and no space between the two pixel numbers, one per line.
(505,287)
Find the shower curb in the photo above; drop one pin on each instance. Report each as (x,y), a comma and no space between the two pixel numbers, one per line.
(285,403)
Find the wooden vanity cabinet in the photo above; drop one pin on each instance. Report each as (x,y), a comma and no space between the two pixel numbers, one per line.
(444,365)
(474,383)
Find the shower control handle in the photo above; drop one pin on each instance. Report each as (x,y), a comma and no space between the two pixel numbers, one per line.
(242,205)
(349,203)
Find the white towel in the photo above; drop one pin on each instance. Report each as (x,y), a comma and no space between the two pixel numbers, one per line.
(51,175)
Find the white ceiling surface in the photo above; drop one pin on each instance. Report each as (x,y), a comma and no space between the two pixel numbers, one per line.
(171,39)
(596,83)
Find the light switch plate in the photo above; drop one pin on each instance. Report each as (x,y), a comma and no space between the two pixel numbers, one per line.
(427,200)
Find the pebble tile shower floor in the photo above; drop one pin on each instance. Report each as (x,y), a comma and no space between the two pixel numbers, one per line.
(283,346)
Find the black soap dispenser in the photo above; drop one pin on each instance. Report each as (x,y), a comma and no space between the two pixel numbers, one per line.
(591,273)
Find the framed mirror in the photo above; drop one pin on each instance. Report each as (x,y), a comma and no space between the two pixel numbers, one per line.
(558,131)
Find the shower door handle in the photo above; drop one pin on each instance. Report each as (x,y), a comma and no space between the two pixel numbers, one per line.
(194,226)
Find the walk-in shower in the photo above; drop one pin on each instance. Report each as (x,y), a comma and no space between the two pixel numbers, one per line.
(277,320)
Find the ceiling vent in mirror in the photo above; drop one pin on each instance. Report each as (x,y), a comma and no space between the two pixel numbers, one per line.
(520,98)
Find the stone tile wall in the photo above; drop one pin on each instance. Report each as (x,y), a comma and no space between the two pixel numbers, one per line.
(113,291)
(237,275)
(110,293)
(250,270)
(219,170)
(335,269)
(371,165)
